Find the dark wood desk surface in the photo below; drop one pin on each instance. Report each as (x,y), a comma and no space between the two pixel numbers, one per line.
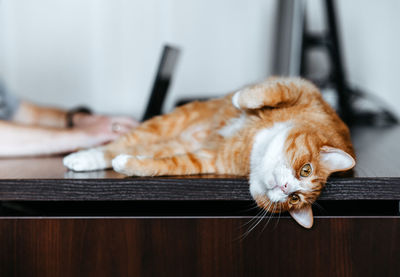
(376,177)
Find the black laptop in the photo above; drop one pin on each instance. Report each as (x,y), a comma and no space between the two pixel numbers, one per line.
(165,71)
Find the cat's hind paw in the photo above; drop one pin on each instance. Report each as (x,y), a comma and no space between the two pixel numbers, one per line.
(131,165)
(119,163)
(86,160)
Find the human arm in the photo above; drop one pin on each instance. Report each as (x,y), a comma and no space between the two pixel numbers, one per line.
(36,130)
(23,140)
(35,115)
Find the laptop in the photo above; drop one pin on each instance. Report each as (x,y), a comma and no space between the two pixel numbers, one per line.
(165,71)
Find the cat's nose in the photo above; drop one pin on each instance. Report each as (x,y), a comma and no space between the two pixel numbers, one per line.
(285,188)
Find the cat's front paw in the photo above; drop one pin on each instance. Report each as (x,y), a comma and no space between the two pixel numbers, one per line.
(86,160)
(248,99)
(235,99)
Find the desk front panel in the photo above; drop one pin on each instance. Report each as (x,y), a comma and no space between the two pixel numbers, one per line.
(199,246)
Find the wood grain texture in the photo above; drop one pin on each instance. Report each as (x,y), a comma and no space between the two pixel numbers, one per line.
(181,189)
(199,247)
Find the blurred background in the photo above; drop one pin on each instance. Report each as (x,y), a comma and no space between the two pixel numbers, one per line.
(105,54)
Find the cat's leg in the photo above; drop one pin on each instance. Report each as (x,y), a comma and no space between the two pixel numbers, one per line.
(274,92)
(200,162)
(100,157)
(153,131)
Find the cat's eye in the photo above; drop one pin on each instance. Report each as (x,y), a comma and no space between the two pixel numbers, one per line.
(294,199)
(306,170)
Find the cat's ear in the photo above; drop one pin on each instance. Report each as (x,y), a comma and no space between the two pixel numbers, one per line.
(303,216)
(335,159)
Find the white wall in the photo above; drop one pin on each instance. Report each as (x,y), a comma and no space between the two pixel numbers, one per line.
(104,53)
(68,52)
(371,39)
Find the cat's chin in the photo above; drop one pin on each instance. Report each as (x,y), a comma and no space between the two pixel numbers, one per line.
(276,195)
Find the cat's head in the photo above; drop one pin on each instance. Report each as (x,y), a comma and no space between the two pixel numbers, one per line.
(300,141)
(289,167)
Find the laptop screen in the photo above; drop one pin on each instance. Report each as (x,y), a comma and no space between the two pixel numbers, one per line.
(162,81)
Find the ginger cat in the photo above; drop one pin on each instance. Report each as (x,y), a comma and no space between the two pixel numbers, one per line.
(279,133)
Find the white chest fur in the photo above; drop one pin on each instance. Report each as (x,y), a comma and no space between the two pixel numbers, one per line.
(269,168)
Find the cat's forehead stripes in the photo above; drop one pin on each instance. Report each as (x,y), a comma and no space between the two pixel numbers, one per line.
(301,148)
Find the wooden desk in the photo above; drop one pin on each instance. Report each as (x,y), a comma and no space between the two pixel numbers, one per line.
(60,223)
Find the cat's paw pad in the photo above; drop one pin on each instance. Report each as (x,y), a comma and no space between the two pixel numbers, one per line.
(86,160)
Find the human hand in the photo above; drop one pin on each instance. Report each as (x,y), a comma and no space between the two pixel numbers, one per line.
(101,129)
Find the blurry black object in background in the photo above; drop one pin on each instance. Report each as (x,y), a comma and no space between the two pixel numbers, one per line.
(292,44)
(162,81)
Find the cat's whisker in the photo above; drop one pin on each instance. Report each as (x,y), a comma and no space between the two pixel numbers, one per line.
(252,207)
(279,216)
(259,213)
(267,214)
(259,218)
(269,206)
(270,216)
(254,226)
(255,220)
(273,212)
(266,211)
(255,206)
